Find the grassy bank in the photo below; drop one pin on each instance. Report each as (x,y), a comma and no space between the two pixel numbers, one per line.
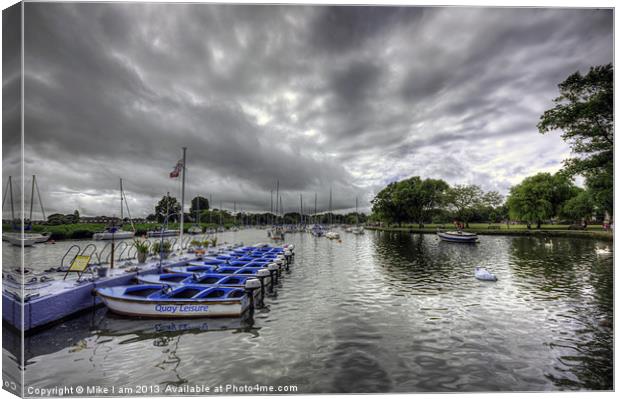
(514,230)
(86,230)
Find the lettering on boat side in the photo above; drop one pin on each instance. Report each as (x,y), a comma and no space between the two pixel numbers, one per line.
(181,308)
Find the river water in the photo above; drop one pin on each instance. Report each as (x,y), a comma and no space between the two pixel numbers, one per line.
(380,312)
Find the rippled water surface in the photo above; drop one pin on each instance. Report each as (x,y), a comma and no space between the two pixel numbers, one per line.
(374,313)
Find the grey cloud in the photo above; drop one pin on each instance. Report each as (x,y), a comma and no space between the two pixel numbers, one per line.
(310,96)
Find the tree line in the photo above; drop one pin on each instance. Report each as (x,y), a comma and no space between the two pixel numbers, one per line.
(200,209)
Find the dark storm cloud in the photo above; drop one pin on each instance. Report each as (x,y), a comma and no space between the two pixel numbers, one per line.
(315,97)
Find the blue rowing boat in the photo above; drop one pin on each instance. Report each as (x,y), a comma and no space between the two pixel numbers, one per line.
(211,279)
(151,300)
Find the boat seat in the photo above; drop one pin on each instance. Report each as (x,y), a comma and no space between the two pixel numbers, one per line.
(174,278)
(143,293)
(233,280)
(236,294)
(185,292)
(214,294)
(208,280)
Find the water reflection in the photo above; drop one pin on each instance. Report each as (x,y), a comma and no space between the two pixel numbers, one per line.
(373,313)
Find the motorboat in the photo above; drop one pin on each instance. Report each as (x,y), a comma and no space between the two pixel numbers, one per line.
(332,235)
(458,236)
(195,229)
(317,230)
(163,233)
(204,279)
(113,233)
(357,230)
(152,300)
(191,268)
(276,233)
(36,237)
(18,240)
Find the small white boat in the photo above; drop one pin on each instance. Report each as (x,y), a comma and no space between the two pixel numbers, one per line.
(195,229)
(332,235)
(117,235)
(483,274)
(18,240)
(38,238)
(357,230)
(603,251)
(276,233)
(458,236)
(163,233)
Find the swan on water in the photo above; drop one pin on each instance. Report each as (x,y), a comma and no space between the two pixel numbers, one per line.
(483,274)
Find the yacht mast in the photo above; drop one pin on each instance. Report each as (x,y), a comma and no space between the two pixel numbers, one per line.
(121,200)
(31,198)
(183,197)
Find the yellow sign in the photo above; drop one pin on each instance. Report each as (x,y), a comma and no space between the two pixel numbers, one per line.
(79,264)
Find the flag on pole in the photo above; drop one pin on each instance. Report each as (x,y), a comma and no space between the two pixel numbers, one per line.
(177,169)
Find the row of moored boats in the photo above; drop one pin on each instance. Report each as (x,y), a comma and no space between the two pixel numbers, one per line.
(224,283)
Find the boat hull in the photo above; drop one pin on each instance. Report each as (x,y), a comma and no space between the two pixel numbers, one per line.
(467,238)
(176,309)
(120,235)
(19,241)
(165,233)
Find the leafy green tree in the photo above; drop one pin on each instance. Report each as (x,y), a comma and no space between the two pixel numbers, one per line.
(198,203)
(579,207)
(492,199)
(463,201)
(540,197)
(167,205)
(386,205)
(55,219)
(432,195)
(76,216)
(409,200)
(584,114)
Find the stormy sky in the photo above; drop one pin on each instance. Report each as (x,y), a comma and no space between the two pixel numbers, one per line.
(350,98)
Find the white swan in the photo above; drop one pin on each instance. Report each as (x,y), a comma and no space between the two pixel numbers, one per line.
(483,274)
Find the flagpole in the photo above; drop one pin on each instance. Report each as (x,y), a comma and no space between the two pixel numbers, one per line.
(182,199)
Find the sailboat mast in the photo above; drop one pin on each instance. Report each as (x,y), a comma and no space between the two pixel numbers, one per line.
(36,185)
(357,217)
(271,208)
(330,205)
(11,198)
(133,228)
(31,198)
(183,196)
(301,209)
(277,199)
(121,201)
(6,191)
(315,207)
